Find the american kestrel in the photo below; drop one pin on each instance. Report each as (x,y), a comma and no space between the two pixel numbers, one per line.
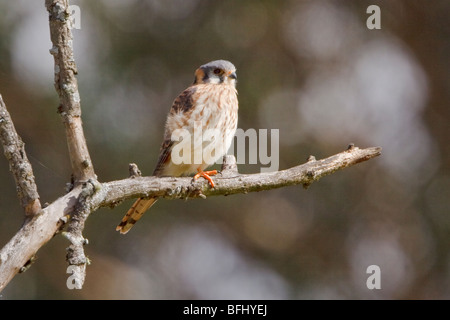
(205,116)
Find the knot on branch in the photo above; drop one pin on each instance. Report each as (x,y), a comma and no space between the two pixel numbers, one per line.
(229,166)
(134,170)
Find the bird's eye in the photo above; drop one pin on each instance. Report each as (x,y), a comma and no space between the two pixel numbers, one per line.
(217,71)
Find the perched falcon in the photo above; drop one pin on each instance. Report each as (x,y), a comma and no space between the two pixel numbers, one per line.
(206,113)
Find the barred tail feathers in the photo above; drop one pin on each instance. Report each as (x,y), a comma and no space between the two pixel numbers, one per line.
(134,214)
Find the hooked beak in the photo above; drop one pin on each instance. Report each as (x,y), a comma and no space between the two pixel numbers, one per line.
(233,75)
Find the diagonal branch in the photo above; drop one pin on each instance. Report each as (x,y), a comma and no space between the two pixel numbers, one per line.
(67,87)
(21,249)
(14,150)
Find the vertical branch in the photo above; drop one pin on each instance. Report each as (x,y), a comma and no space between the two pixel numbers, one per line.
(67,87)
(14,150)
(74,232)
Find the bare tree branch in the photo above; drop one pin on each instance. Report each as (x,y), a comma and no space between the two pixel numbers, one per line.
(33,235)
(85,199)
(14,150)
(67,87)
(232,182)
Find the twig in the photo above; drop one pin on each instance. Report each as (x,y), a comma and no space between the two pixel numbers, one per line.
(67,87)
(134,170)
(14,150)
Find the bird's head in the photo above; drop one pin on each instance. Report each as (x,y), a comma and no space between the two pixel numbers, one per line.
(216,72)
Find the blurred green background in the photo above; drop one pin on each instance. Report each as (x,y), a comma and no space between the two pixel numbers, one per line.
(311,69)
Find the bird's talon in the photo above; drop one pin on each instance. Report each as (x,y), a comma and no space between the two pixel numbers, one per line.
(206,175)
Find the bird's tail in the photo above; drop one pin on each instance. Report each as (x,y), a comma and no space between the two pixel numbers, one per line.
(134,214)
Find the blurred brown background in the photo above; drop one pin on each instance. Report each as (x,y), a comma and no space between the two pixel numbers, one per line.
(311,69)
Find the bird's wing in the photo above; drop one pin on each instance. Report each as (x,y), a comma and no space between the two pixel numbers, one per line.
(164,157)
(181,105)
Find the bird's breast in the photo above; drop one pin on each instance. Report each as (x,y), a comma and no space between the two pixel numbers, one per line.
(211,122)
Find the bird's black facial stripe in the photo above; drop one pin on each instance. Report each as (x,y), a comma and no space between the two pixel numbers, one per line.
(205,77)
(209,74)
